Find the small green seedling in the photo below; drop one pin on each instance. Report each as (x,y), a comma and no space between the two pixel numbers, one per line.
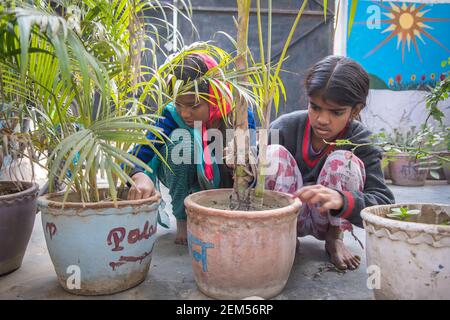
(402,213)
(446,223)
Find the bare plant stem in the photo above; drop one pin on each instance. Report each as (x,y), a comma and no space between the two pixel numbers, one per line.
(241,193)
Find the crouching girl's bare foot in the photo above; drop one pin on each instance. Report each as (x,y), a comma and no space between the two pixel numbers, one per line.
(340,256)
(181,237)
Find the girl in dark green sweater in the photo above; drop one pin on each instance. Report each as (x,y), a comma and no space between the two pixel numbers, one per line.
(333,183)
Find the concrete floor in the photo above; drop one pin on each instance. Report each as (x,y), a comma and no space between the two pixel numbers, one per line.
(171,277)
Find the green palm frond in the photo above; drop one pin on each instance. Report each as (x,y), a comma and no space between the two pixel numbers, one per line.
(224,76)
(79,70)
(75,69)
(85,151)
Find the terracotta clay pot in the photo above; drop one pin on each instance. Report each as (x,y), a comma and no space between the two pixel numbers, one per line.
(446,165)
(406,170)
(408,260)
(446,169)
(17,214)
(108,248)
(238,254)
(386,173)
(440,172)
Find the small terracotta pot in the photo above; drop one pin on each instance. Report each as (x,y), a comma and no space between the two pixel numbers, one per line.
(447,172)
(406,170)
(446,165)
(238,254)
(17,214)
(386,173)
(440,172)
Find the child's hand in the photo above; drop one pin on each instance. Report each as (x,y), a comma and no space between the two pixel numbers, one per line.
(144,187)
(324,197)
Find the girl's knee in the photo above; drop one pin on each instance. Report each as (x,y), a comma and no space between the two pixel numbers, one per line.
(276,150)
(342,155)
(277,153)
(181,152)
(343,171)
(180,167)
(340,160)
(282,173)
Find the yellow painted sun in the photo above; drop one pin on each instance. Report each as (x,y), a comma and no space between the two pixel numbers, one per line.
(407,23)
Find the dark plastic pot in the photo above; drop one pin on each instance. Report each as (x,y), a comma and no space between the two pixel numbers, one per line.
(17,214)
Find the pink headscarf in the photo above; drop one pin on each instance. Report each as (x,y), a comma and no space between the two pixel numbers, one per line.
(214,113)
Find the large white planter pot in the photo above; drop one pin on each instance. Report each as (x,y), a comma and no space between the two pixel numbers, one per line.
(108,248)
(413,258)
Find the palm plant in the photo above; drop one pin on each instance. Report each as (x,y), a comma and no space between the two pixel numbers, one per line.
(76,66)
(79,72)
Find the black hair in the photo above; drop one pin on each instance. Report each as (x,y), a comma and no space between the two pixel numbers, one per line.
(191,68)
(340,80)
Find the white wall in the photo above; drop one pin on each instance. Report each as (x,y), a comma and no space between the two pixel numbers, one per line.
(385,108)
(397,109)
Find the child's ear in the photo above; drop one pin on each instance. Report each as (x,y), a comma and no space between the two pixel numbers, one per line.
(356,111)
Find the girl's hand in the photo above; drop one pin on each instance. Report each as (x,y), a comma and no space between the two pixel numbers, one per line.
(144,187)
(325,198)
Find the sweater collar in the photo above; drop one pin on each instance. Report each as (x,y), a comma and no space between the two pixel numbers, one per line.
(307,142)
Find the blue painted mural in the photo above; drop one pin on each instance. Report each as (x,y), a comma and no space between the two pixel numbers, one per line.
(402,45)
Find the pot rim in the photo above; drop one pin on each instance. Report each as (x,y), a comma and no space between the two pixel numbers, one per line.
(33,187)
(403,155)
(446,152)
(45,200)
(372,218)
(295,205)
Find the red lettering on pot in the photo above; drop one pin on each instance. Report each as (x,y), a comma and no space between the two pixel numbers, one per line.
(126,259)
(114,265)
(117,235)
(135,259)
(135,235)
(51,229)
